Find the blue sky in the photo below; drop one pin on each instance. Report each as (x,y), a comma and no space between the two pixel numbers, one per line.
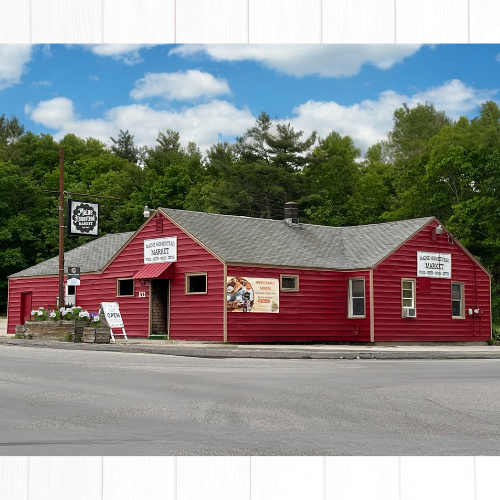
(214,92)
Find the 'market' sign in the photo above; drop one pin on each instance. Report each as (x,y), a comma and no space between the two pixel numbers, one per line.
(160,250)
(83,218)
(434,265)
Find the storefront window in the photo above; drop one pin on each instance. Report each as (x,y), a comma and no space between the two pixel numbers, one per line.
(356,297)
(457,293)
(196,283)
(124,287)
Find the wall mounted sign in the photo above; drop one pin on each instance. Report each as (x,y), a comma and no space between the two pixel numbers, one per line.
(253,295)
(434,265)
(83,218)
(73,276)
(160,250)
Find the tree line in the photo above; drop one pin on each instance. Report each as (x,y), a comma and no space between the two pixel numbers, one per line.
(427,165)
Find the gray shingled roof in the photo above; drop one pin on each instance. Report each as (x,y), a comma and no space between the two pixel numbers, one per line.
(92,256)
(272,242)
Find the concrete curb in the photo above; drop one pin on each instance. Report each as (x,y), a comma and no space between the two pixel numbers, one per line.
(200,350)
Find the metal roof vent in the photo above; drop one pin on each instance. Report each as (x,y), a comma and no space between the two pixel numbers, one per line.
(292,213)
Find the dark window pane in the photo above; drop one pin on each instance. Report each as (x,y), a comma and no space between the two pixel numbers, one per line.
(456,308)
(197,284)
(358,307)
(290,283)
(71,289)
(126,287)
(456,291)
(358,288)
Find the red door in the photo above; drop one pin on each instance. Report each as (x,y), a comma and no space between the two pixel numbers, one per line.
(25,307)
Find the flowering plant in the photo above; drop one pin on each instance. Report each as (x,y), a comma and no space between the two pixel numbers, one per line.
(94,319)
(40,314)
(70,313)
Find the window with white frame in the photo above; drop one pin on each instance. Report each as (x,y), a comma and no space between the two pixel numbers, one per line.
(457,302)
(408,293)
(356,297)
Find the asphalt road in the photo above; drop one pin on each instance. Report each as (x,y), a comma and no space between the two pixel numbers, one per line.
(58,402)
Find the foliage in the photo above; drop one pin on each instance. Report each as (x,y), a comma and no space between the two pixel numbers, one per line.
(428,165)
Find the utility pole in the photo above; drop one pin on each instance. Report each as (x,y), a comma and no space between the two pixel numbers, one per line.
(61,228)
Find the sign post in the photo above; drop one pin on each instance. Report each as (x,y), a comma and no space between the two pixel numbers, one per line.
(110,312)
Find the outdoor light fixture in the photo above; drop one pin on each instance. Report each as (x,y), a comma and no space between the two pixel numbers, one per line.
(439,229)
(146,212)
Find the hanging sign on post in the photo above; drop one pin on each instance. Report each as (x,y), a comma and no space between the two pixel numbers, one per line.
(83,218)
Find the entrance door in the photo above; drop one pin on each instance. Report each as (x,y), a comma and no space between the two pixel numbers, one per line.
(159,307)
(25,307)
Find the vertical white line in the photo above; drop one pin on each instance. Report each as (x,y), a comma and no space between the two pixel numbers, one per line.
(468,21)
(395,23)
(102,478)
(248,21)
(475,479)
(31,23)
(399,478)
(250,458)
(176,478)
(324,478)
(175,34)
(29,473)
(102,21)
(321,20)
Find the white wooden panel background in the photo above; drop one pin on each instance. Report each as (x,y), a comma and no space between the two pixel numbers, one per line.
(249,478)
(249,21)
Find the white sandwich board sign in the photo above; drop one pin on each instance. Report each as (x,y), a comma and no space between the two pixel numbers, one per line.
(112,316)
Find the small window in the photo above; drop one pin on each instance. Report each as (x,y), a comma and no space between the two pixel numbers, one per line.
(457,302)
(408,293)
(124,287)
(196,283)
(71,290)
(289,283)
(356,297)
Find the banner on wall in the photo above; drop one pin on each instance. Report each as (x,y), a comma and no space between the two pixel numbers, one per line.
(253,295)
(434,265)
(160,250)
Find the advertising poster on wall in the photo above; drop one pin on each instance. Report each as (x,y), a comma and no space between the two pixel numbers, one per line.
(160,250)
(252,295)
(434,265)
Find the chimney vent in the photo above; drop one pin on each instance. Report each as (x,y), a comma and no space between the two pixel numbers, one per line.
(292,213)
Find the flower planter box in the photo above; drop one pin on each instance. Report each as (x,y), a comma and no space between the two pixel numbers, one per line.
(97,335)
(47,329)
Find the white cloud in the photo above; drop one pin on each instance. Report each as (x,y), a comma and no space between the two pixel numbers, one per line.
(128,53)
(369,121)
(13,64)
(202,123)
(183,85)
(41,83)
(366,122)
(301,60)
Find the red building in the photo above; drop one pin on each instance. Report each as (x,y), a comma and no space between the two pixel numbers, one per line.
(202,276)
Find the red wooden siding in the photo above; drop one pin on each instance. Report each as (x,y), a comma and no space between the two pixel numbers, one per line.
(191,316)
(433,299)
(318,311)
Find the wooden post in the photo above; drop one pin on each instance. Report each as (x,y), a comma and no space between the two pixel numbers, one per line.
(61,228)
